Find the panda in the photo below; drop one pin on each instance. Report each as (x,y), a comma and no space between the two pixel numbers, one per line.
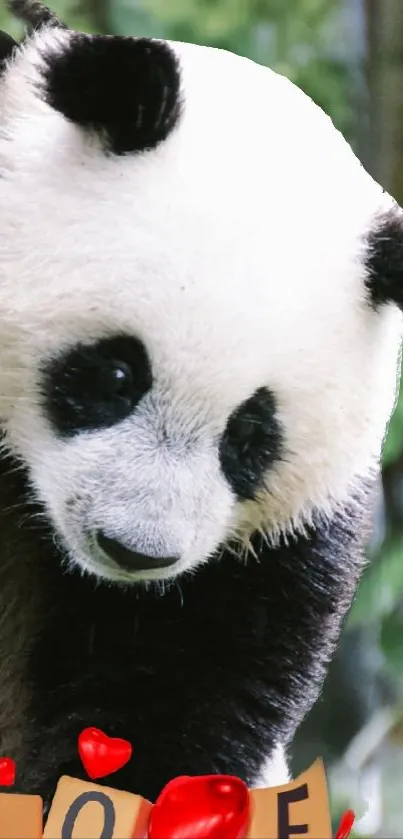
(200,312)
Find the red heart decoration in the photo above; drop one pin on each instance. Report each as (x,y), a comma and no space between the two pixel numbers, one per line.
(204,807)
(346,823)
(101,755)
(7,772)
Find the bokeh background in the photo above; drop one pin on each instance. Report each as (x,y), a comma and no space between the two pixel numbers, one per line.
(348,56)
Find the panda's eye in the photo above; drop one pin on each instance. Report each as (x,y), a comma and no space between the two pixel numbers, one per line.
(251,443)
(94,386)
(117,378)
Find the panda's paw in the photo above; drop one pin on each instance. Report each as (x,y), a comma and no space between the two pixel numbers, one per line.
(45,783)
(73,769)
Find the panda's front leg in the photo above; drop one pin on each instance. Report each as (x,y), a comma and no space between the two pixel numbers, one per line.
(49,754)
(170,736)
(53,753)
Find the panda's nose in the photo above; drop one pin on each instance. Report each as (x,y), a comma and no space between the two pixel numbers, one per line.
(131,560)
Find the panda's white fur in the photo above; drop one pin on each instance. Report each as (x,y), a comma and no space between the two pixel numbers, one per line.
(234,250)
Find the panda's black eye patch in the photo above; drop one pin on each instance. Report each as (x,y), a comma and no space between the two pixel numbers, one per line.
(95,386)
(251,443)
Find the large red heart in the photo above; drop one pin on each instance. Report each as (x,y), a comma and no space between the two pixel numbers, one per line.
(204,807)
(101,755)
(7,772)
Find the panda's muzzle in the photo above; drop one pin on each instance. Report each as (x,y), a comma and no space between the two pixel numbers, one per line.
(131,560)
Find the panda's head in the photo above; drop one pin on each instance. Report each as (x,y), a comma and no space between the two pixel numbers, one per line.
(199,334)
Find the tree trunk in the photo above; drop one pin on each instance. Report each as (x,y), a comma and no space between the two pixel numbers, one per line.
(384,69)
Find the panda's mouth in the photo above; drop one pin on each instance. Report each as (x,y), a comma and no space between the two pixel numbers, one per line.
(108,559)
(130,560)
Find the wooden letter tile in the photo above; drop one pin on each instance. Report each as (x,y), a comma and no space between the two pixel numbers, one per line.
(20,816)
(297,809)
(83,810)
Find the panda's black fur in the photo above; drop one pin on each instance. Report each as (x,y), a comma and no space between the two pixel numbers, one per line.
(99,80)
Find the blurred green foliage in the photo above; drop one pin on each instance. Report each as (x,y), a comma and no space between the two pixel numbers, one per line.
(380,595)
(393,446)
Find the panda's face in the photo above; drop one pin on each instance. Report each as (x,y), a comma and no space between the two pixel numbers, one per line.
(188,349)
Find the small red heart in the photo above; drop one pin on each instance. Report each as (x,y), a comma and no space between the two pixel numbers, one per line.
(204,807)
(346,824)
(101,755)
(7,771)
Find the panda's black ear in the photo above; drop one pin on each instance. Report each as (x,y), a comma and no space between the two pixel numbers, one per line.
(384,260)
(34,14)
(126,90)
(7,47)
